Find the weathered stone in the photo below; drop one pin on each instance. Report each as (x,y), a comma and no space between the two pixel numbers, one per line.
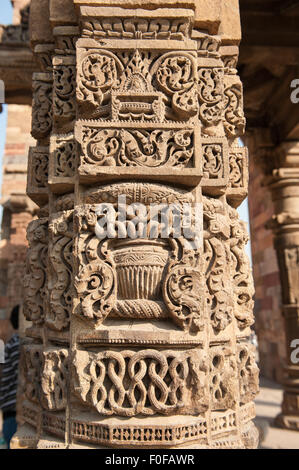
(40,28)
(62,12)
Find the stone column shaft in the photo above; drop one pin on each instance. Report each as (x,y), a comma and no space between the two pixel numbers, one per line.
(284,184)
(138,340)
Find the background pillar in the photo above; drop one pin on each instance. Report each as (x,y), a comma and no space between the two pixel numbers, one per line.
(284,185)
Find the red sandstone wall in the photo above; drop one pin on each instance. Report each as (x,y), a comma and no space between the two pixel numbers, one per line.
(17,144)
(269,321)
(13,245)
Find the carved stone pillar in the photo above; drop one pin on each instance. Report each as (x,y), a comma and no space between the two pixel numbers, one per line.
(138,341)
(284,184)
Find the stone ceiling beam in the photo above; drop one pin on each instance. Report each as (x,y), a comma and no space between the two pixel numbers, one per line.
(16,67)
(270,30)
(269,60)
(289,6)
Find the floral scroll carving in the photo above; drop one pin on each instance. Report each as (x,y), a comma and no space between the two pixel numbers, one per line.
(213,161)
(234,122)
(64,156)
(225,257)
(64,91)
(39,167)
(210,94)
(31,366)
(60,272)
(237,163)
(183,288)
(216,250)
(42,114)
(35,281)
(146,193)
(241,273)
(97,75)
(177,78)
(94,283)
(238,175)
(188,90)
(45,373)
(137,147)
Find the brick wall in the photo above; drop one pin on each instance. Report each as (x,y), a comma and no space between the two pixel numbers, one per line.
(18,140)
(16,216)
(269,322)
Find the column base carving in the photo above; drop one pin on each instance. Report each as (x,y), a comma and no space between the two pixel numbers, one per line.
(290,422)
(248,440)
(215,431)
(289,416)
(25,438)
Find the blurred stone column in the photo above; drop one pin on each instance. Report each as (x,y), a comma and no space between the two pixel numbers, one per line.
(284,184)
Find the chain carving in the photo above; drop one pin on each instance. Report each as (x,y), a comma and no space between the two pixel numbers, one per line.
(223,373)
(146,382)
